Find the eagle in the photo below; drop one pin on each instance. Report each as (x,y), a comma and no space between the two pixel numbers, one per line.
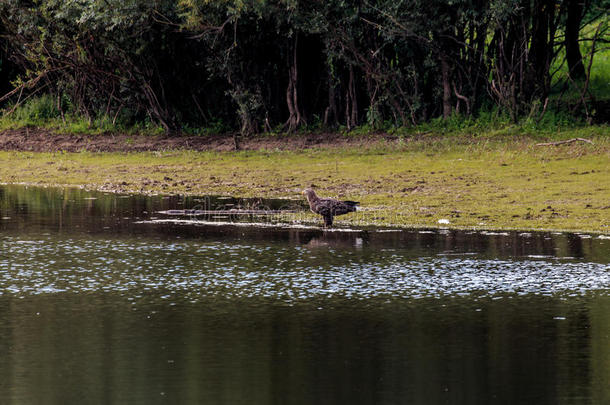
(328,207)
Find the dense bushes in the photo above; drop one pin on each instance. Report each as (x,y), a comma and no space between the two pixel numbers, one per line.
(258,65)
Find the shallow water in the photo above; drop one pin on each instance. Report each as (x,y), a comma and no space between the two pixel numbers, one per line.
(104,300)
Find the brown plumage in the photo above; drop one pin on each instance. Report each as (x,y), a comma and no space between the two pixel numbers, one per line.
(328,207)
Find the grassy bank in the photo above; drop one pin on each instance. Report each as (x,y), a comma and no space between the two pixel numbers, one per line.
(474,183)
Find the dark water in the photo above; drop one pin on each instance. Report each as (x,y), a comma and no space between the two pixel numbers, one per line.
(104,301)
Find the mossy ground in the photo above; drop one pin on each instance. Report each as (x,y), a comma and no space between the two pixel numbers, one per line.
(475,183)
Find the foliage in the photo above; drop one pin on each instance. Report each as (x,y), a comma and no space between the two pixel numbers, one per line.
(268,64)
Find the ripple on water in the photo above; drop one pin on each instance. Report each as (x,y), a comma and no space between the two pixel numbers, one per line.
(290,273)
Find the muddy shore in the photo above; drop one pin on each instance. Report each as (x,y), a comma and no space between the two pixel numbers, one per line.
(44,140)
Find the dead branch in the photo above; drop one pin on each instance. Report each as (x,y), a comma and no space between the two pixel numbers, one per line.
(29,84)
(232,211)
(595,37)
(463,98)
(20,101)
(565,142)
(546,104)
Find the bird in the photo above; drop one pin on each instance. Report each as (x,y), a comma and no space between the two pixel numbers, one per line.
(328,207)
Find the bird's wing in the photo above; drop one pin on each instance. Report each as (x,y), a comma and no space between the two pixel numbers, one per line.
(324,206)
(335,207)
(341,208)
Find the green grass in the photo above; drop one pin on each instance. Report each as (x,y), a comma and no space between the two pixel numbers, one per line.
(599,82)
(475,183)
(42,112)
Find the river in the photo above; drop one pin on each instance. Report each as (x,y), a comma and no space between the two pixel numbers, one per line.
(105,300)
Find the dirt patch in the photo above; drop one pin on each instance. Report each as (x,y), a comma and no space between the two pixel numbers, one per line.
(43,140)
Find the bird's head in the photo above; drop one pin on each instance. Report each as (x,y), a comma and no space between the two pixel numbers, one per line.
(309,193)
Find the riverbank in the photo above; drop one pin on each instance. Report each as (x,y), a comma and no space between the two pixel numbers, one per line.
(476,182)
(46,140)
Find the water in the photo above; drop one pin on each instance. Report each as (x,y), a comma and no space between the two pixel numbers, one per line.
(103,300)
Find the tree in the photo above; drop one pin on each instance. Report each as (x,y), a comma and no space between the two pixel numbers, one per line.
(259,65)
(574,10)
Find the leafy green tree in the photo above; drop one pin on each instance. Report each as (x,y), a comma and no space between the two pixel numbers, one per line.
(264,64)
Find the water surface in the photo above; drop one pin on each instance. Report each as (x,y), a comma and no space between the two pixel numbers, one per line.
(103,300)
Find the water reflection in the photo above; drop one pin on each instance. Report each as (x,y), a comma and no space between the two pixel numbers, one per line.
(197,269)
(35,211)
(100,302)
(421,352)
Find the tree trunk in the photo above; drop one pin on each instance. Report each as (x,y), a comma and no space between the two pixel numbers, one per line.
(541,47)
(446,88)
(294,118)
(236,144)
(331,111)
(351,103)
(574,57)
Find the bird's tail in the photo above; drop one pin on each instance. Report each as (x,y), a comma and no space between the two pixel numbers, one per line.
(353,205)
